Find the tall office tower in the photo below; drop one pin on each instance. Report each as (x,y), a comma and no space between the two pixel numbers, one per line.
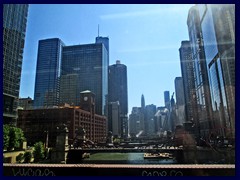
(117,91)
(114,121)
(203,98)
(46,93)
(150,119)
(167,99)
(143,115)
(187,69)
(90,63)
(14,29)
(218,36)
(180,103)
(136,124)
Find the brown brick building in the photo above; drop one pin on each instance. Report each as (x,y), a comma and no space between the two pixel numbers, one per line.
(37,123)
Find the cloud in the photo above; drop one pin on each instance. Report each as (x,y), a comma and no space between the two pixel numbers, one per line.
(171,9)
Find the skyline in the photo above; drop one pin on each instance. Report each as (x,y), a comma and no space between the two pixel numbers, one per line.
(137,37)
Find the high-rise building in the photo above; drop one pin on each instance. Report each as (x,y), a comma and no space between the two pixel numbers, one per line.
(90,63)
(218,36)
(114,120)
(14,30)
(167,99)
(187,69)
(204,110)
(180,102)
(46,93)
(150,119)
(118,91)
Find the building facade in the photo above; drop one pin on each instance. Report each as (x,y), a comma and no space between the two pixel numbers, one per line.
(203,97)
(180,101)
(218,36)
(37,124)
(14,31)
(118,91)
(46,92)
(115,124)
(90,63)
(25,103)
(187,69)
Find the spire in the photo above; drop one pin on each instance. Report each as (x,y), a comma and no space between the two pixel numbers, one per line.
(98,30)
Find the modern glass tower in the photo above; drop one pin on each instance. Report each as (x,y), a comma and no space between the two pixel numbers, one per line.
(204,108)
(89,62)
(14,29)
(117,91)
(46,93)
(187,69)
(218,36)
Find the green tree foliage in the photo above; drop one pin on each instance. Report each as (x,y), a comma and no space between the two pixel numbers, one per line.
(38,152)
(5,136)
(12,137)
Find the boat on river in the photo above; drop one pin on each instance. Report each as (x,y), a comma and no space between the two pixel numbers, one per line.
(158,156)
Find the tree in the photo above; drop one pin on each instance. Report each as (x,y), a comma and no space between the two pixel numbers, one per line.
(5,136)
(12,137)
(38,152)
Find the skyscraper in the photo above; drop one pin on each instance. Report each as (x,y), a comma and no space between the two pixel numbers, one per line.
(46,93)
(188,81)
(167,99)
(89,62)
(14,29)
(218,35)
(180,102)
(117,91)
(203,98)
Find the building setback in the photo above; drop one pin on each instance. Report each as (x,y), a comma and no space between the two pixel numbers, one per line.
(14,30)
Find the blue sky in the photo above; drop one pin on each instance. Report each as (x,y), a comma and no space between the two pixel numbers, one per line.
(145,37)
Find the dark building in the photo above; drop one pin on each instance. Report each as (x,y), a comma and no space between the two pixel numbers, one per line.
(115,124)
(46,93)
(187,69)
(25,103)
(118,91)
(204,109)
(218,36)
(167,99)
(150,120)
(38,123)
(180,101)
(89,64)
(14,31)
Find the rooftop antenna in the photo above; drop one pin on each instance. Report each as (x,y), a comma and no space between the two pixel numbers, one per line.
(98,30)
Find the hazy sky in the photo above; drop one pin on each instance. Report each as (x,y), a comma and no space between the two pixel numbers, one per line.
(146,38)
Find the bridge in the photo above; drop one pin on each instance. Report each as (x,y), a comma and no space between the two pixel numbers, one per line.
(128,150)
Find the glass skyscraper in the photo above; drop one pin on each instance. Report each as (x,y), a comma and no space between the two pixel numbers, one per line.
(188,81)
(46,93)
(200,73)
(218,35)
(89,62)
(14,29)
